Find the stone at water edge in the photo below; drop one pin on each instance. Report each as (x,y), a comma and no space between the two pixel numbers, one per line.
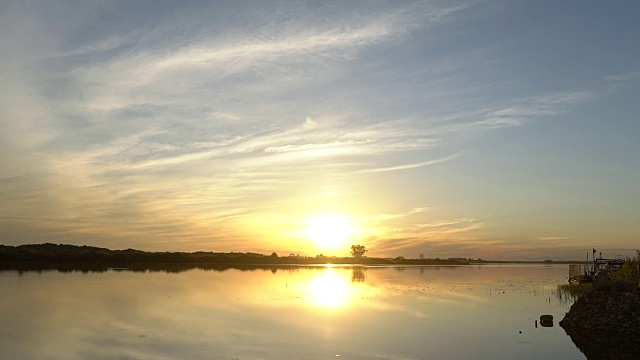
(622,285)
(601,284)
(609,311)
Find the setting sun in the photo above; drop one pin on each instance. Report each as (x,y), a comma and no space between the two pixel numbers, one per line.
(329,231)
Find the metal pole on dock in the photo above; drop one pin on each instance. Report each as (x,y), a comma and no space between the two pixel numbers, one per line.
(586,266)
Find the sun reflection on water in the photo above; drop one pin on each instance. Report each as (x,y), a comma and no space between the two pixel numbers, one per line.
(330,290)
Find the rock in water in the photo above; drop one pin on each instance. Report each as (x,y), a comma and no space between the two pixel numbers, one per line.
(546,320)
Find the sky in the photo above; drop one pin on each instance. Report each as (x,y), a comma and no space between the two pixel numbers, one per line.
(491,129)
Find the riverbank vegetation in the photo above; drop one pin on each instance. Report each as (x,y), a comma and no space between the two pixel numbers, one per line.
(53,253)
(568,293)
(629,270)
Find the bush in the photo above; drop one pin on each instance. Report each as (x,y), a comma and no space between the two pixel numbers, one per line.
(629,270)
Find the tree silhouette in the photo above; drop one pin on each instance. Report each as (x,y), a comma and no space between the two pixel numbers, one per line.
(357,251)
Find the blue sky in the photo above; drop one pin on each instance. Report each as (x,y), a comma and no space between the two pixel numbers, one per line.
(493,129)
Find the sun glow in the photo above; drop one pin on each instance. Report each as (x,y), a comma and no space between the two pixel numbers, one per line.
(329,290)
(329,231)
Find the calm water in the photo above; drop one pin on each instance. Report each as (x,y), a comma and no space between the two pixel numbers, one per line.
(471,312)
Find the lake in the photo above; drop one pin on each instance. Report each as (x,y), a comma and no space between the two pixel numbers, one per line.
(465,312)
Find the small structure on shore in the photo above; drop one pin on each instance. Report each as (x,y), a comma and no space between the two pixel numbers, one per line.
(588,272)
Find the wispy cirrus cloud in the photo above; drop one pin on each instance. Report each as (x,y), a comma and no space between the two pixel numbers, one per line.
(635,75)
(416,236)
(554,238)
(412,166)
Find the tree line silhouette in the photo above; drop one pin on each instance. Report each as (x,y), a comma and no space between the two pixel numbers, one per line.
(62,253)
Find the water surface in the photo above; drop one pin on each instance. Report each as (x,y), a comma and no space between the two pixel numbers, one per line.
(468,312)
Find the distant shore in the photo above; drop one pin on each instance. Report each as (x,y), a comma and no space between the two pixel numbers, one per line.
(48,255)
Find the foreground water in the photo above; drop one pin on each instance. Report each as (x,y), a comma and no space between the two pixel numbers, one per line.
(468,312)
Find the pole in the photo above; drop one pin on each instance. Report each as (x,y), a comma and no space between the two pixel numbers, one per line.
(586,266)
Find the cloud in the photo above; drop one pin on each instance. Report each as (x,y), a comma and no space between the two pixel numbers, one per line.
(412,166)
(411,237)
(387,217)
(623,77)
(287,148)
(284,48)
(554,238)
(515,112)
